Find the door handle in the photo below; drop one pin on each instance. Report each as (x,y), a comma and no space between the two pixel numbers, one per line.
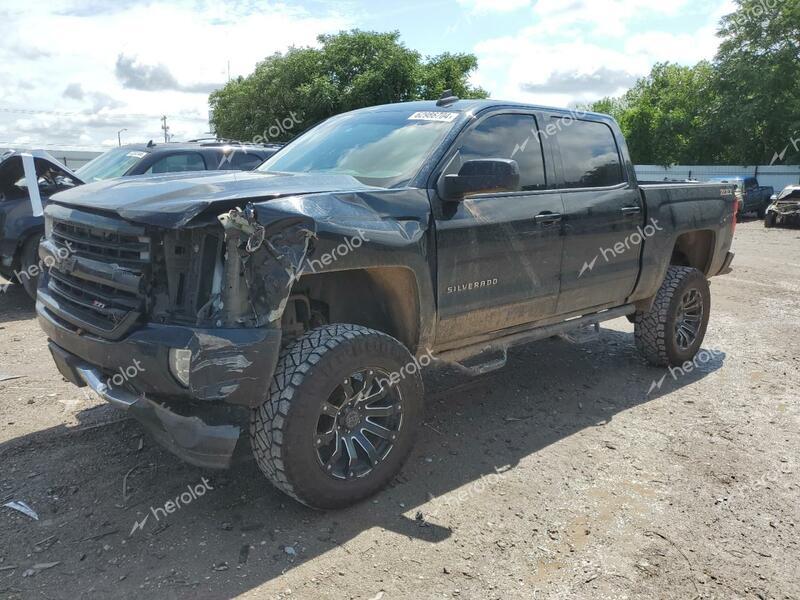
(631,211)
(548,218)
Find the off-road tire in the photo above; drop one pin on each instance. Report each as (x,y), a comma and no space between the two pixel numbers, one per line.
(282,429)
(769,220)
(654,329)
(29,261)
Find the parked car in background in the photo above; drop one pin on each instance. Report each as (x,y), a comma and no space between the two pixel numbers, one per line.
(28,179)
(753,198)
(312,290)
(784,208)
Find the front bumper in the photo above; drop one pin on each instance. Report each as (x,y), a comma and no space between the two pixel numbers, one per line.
(228,367)
(190,438)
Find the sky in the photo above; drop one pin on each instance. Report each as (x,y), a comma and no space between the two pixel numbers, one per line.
(76,72)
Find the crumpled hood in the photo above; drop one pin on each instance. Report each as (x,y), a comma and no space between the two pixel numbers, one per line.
(172,200)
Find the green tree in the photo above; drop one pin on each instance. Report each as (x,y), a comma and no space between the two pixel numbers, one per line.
(758,80)
(744,108)
(349,70)
(668,116)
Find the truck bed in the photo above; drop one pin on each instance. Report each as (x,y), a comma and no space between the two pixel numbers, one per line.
(705,209)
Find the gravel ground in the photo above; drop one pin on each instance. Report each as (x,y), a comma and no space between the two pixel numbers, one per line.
(568,474)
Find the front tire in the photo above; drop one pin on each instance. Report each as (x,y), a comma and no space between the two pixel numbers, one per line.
(769,220)
(672,331)
(332,430)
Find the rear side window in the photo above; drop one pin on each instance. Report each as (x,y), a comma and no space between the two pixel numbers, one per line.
(508,136)
(176,163)
(589,154)
(241,160)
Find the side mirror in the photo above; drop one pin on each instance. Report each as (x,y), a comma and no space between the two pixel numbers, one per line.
(482,176)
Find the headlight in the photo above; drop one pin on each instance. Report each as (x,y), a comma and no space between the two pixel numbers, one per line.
(180,364)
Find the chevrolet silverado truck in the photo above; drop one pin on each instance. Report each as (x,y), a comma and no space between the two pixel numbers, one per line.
(312,291)
(28,179)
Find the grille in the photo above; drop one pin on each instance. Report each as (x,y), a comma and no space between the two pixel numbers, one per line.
(98,287)
(103,245)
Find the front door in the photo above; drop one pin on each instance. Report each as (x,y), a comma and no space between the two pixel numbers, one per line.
(499,254)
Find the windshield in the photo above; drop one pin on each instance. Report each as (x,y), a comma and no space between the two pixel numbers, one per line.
(385,148)
(114,163)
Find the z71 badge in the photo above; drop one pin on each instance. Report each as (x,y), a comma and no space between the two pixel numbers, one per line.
(466,287)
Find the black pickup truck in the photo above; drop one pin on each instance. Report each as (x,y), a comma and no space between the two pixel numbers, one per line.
(313,290)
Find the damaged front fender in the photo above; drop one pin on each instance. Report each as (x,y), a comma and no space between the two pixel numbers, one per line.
(263,259)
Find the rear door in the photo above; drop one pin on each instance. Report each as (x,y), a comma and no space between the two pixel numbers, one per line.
(499,254)
(603,219)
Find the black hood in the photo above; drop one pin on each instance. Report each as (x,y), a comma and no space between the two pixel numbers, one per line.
(172,200)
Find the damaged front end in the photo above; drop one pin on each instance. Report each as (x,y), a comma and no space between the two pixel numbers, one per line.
(262,264)
(198,308)
(785,211)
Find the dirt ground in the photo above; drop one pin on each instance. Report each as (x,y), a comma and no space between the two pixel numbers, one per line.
(561,476)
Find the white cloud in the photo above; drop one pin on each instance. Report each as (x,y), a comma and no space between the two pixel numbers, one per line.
(190,41)
(584,50)
(684,48)
(604,18)
(489,6)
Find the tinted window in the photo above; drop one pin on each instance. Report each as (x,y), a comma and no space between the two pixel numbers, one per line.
(508,136)
(589,154)
(175,163)
(241,161)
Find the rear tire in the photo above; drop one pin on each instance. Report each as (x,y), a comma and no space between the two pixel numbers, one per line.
(672,331)
(310,415)
(29,273)
(762,212)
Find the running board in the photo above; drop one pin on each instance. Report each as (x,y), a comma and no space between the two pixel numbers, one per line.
(502,344)
(474,368)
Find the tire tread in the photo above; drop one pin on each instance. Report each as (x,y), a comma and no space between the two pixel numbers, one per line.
(650,327)
(295,361)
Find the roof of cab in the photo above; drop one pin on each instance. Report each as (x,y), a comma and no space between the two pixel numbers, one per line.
(474,106)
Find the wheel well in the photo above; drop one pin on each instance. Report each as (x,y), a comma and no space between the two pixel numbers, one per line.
(694,249)
(382,298)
